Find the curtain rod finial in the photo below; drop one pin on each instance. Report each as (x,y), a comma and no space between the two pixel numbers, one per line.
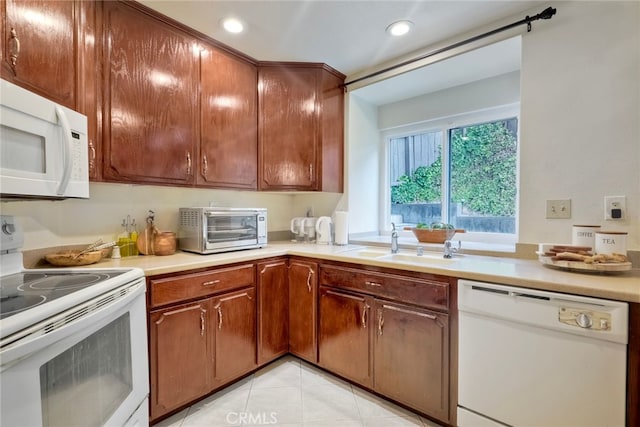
(547,13)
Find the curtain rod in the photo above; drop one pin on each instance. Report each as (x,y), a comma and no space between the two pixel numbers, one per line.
(545,14)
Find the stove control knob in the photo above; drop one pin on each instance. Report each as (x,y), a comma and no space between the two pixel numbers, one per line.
(584,320)
(8,228)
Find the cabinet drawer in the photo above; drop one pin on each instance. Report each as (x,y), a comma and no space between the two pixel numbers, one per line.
(426,293)
(187,286)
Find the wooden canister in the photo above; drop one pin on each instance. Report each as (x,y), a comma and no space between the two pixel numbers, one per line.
(164,243)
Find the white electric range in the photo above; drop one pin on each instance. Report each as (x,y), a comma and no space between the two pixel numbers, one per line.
(72,343)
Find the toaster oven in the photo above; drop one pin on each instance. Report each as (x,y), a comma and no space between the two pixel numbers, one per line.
(209,230)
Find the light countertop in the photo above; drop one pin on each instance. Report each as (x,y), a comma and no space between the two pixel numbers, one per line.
(622,286)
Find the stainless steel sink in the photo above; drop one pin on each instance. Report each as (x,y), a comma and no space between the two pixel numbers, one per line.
(403,257)
(434,258)
(369,253)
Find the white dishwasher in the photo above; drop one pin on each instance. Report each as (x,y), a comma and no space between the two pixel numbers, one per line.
(540,359)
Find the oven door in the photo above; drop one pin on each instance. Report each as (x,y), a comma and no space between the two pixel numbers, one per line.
(230,230)
(87,368)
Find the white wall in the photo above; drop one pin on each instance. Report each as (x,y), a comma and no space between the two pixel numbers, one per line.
(499,90)
(363,164)
(579,123)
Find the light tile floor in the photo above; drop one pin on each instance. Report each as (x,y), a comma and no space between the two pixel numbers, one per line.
(293,393)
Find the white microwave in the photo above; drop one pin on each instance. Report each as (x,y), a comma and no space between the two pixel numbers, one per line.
(43,147)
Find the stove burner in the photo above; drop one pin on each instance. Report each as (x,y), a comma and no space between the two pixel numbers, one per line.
(23,291)
(59,282)
(12,304)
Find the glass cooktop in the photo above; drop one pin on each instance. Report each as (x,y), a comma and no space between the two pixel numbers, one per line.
(22,291)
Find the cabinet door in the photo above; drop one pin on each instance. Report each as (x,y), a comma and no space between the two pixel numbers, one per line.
(273,310)
(344,335)
(235,334)
(180,355)
(229,120)
(288,128)
(40,47)
(150,98)
(411,354)
(303,311)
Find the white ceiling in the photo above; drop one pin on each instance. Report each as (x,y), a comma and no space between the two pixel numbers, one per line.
(348,35)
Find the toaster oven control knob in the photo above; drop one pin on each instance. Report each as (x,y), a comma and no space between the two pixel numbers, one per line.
(584,320)
(8,228)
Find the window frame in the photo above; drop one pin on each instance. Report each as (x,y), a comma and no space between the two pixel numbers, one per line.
(444,124)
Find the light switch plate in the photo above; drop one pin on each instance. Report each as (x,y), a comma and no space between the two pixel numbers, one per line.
(559,209)
(615,208)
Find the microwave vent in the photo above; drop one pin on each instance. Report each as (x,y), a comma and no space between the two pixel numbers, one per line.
(189,218)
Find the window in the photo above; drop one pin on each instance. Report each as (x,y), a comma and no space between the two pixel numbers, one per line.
(464,174)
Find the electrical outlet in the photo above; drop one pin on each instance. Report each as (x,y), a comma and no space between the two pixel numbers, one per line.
(559,209)
(615,208)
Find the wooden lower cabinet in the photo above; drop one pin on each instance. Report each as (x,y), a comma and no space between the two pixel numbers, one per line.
(303,311)
(180,353)
(411,357)
(234,335)
(202,333)
(273,310)
(390,333)
(344,335)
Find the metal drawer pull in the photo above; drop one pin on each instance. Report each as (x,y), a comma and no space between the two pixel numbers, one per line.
(202,323)
(14,48)
(211,282)
(219,317)
(309,279)
(380,321)
(368,283)
(364,315)
(188,163)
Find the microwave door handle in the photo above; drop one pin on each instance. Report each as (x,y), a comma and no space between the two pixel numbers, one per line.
(67,146)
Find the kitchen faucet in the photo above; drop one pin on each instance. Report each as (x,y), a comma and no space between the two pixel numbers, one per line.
(394,239)
(448,250)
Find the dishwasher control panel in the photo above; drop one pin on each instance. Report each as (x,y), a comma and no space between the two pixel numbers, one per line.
(585,319)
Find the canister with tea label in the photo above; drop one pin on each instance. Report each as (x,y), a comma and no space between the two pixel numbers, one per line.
(611,242)
(584,235)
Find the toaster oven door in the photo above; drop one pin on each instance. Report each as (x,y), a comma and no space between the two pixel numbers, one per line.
(230,230)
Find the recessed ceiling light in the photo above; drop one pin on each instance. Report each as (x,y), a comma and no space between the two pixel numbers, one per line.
(399,28)
(233,25)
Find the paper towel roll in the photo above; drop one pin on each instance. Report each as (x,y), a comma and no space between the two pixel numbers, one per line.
(341,228)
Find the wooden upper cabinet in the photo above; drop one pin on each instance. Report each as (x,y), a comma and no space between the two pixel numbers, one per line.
(40,48)
(295,136)
(151,98)
(229,121)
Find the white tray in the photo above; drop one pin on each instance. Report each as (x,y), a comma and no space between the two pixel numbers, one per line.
(589,268)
